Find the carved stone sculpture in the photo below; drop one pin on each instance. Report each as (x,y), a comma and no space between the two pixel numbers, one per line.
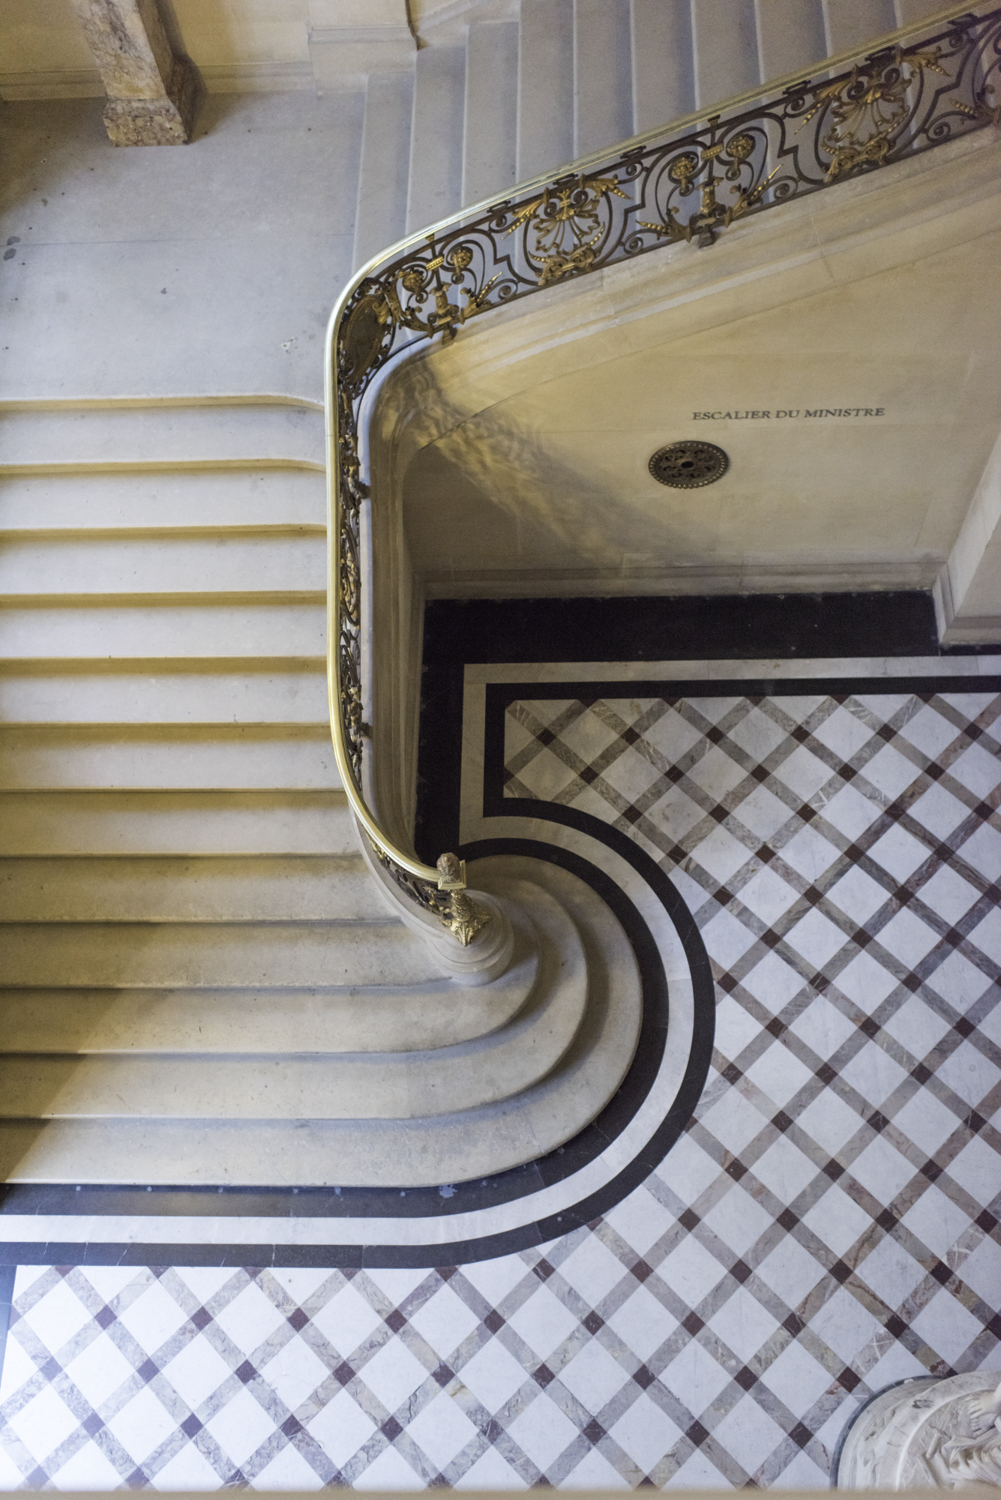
(926,1433)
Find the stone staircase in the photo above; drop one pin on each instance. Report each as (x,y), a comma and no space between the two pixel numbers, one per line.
(199,981)
(503,91)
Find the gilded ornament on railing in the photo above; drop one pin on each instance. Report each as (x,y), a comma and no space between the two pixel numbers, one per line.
(465,916)
(686,187)
(445,898)
(870,108)
(364,336)
(980,110)
(567,224)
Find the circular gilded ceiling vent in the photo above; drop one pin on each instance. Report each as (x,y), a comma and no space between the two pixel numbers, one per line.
(689,465)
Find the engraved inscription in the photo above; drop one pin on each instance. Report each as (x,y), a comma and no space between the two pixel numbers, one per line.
(820,411)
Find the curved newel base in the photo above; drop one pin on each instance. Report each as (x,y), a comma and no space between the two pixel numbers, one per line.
(925,1433)
(482,960)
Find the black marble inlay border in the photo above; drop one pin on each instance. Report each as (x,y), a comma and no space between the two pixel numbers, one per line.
(691,627)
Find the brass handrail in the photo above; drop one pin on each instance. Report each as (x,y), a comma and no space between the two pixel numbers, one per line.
(866,111)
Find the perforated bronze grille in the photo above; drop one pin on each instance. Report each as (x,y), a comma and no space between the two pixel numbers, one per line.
(689,465)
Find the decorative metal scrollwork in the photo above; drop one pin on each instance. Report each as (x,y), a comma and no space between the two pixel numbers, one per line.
(565,226)
(868,111)
(683,187)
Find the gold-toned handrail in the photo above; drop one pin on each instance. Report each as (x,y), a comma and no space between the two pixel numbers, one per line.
(918,88)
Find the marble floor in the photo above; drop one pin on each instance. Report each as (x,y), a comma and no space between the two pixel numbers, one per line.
(826,1223)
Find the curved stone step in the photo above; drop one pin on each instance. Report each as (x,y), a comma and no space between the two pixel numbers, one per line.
(261,1021)
(363,1019)
(338,1086)
(423,1150)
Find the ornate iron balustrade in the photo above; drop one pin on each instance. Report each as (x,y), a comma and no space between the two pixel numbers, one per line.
(691,182)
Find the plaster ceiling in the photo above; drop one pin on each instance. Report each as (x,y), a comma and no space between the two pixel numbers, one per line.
(532,475)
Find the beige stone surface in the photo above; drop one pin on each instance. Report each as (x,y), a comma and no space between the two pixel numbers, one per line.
(207,955)
(168,439)
(206,889)
(204,272)
(220,32)
(277,692)
(210,954)
(209,563)
(175,822)
(190,498)
(166,756)
(231,628)
(258,1019)
(43,34)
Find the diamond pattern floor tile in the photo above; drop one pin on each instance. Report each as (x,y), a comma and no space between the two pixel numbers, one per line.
(827,1224)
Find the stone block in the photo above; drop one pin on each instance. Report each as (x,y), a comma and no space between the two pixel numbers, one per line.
(164,121)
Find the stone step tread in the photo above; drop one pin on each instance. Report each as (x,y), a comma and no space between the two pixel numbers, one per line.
(152,758)
(154,695)
(428,1148)
(128,955)
(208,889)
(217,1087)
(175,822)
(193,497)
(166,530)
(186,628)
(299,1153)
(215,563)
(119,434)
(496,1062)
(327,1019)
(504,1047)
(137,731)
